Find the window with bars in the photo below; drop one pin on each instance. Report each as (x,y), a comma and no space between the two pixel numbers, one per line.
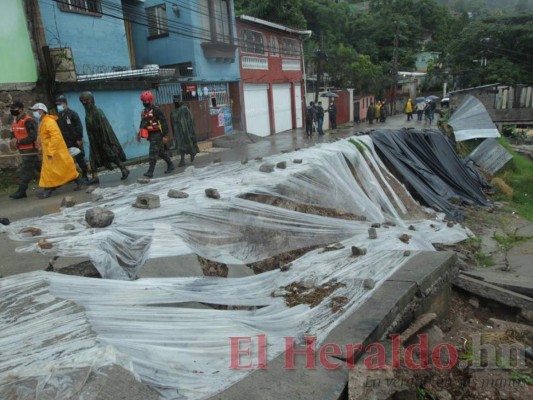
(290,48)
(252,42)
(274,46)
(157,21)
(92,7)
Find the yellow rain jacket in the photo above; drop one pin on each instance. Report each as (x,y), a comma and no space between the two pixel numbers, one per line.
(409,107)
(60,168)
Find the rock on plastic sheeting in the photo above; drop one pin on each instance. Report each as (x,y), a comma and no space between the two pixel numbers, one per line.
(471,120)
(428,162)
(183,352)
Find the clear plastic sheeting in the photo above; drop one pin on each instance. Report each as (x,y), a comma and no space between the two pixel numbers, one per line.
(471,120)
(181,352)
(58,328)
(230,230)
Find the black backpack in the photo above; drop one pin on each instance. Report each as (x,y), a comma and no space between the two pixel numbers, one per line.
(310,113)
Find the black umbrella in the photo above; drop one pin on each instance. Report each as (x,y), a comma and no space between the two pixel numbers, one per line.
(329,94)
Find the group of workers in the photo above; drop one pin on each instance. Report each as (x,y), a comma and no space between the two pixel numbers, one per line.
(59,140)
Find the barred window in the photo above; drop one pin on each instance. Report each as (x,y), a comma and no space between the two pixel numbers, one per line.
(290,48)
(274,46)
(157,21)
(81,6)
(252,42)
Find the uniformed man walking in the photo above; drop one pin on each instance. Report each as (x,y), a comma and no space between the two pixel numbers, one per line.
(154,123)
(24,137)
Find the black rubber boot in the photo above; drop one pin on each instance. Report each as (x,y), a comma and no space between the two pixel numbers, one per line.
(125,174)
(84,178)
(170,167)
(78,181)
(94,181)
(46,193)
(192,157)
(182,160)
(150,172)
(20,193)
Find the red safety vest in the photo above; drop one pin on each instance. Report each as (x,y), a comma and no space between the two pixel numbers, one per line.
(152,123)
(19,131)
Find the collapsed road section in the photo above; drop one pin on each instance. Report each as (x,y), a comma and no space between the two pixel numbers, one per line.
(58,330)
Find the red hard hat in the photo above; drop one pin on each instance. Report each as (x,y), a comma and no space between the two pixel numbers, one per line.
(147,97)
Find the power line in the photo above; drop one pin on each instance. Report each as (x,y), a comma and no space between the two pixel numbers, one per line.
(177,28)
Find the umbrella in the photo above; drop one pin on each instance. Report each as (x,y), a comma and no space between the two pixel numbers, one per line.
(432,97)
(420,99)
(329,94)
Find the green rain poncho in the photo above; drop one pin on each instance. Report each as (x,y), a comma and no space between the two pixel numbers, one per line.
(183,129)
(103,143)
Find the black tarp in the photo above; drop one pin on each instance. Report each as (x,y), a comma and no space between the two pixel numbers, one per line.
(428,163)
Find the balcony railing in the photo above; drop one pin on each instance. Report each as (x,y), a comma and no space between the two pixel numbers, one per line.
(291,65)
(254,62)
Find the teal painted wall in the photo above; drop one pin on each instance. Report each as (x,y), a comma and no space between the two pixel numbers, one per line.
(17,64)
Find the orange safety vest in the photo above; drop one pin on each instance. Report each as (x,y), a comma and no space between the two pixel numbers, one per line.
(152,123)
(19,131)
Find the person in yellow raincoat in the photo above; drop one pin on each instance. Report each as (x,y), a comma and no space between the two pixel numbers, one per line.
(58,165)
(409,110)
(377,111)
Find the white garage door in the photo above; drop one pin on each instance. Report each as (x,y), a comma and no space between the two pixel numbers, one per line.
(281,94)
(298,104)
(256,111)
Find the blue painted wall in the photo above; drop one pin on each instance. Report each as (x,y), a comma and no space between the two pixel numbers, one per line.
(184,41)
(173,49)
(97,43)
(123,111)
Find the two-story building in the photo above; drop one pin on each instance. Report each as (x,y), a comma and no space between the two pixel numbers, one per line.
(272,75)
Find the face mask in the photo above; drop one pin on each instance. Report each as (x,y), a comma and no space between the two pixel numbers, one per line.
(36,115)
(60,108)
(14,112)
(146,105)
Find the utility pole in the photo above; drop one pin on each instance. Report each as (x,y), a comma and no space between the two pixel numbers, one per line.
(394,70)
(319,55)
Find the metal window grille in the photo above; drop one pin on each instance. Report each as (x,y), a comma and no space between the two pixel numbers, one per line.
(81,6)
(252,42)
(165,93)
(157,20)
(290,48)
(217,90)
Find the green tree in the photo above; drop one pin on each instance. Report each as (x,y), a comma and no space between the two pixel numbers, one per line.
(506,42)
(285,12)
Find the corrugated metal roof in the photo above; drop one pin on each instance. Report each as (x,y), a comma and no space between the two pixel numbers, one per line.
(490,155)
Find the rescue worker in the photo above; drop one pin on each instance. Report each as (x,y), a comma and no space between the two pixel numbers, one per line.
(184,134)
(24,138)
(72,130)
(58,165)
(153,121)
(105,149)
